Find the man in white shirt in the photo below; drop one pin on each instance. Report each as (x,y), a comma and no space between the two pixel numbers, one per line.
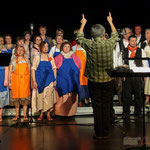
(121,45)
(133,83)
(118,61)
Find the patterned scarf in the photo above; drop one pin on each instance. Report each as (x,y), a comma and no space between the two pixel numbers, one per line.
(67,55)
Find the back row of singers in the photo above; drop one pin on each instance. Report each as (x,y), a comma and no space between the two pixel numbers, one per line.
(128,47)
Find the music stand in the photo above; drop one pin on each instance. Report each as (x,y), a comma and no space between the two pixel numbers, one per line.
(5,59)
(113,73)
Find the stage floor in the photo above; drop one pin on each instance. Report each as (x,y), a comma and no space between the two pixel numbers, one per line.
(67,134)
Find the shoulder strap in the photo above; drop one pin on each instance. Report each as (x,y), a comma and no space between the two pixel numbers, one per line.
(121,45)
(125,54)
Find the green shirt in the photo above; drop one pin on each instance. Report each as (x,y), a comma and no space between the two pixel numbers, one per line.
(99,56)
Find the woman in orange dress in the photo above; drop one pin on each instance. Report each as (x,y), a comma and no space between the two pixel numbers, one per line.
(84,91)
(20,82)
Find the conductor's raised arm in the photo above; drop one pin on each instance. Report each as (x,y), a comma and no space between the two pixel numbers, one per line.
(83,23)
(110,21)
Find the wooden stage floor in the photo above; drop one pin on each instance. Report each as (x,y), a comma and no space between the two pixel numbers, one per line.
(67,134)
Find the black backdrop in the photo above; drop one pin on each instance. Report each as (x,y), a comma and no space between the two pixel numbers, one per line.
(16,18)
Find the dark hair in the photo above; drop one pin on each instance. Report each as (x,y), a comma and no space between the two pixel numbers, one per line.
(42,45)
(149,43)
(42,26)
(138,25)
(132,36)
(7,35)
(64,43)
(19,38)
(34,39)
(26,32)
(1,36)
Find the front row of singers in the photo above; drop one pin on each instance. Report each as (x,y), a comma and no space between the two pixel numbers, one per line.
(55,82)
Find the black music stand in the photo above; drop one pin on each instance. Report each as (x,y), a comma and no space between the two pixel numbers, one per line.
(114,73)
(5,59)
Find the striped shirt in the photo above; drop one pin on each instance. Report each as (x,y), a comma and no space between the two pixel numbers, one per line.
(99,56)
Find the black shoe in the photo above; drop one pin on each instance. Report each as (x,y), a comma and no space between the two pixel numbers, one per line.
(52,114)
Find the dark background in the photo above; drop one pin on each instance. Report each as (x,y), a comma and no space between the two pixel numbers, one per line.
(16,18)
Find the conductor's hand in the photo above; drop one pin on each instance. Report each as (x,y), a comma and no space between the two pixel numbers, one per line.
(109,18)
(83,20)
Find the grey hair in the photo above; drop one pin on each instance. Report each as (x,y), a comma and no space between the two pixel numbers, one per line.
(124,31)
(97,30)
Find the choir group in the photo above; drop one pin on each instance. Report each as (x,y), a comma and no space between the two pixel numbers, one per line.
(55,68)
(49,73)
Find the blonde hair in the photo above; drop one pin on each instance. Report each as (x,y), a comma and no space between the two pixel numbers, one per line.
(145,32)
(125,30)
(59,36)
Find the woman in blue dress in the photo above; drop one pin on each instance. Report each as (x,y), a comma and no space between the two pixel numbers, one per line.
(43,78)
(68,81)
(8,43)
(2,47)
(4,96)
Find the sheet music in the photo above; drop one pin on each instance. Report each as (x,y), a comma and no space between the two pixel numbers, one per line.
(141,69)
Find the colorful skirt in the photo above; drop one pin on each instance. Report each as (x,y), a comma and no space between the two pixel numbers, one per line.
(147,86)
(4,98)
(4,92)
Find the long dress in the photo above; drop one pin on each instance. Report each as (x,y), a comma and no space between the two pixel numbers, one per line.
(68,85)
(34,52)
(43,98)
(20,84)
(4,92)
(84,91)
(147,82)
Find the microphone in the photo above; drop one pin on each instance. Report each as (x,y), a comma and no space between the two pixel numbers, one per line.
(31,28)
